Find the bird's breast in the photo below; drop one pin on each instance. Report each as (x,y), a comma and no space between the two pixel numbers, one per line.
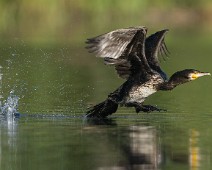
(138,93)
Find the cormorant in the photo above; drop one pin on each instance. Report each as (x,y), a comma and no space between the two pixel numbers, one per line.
(135,58)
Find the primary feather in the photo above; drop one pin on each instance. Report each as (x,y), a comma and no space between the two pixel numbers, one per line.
(112,44)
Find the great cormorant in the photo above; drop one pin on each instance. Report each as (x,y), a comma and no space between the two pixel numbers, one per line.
(135,58)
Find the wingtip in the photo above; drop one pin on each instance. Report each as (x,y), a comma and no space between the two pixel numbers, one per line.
(87,41)
(165,30)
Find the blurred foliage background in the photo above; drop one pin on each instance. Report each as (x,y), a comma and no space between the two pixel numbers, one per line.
(71,20)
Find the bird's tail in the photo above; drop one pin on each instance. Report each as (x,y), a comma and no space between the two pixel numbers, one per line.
(102,109)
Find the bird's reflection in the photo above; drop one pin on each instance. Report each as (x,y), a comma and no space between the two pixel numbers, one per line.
(145,146)
(139,146)
(144,152)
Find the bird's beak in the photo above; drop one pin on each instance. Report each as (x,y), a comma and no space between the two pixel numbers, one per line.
(197,75)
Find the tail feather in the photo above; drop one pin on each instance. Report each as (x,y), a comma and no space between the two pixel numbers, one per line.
(102,109)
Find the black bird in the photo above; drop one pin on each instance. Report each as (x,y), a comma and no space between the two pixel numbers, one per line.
(135,58)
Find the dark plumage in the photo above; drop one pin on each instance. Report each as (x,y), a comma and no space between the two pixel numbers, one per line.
(135,58)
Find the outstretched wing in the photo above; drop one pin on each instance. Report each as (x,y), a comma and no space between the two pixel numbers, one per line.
(115,47)
(154,46)
(133,59)
(112,44)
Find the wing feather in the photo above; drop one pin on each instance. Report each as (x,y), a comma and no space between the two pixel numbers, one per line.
(155,46)
(112,44)
(133,60)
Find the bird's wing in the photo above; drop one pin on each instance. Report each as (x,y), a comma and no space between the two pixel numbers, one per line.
(133,60)
(154,46)
(137,56)
(112,44)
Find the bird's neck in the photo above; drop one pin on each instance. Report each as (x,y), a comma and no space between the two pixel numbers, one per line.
(171,84)
(168,85)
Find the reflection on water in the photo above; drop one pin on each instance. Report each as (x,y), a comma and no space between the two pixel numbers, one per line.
(149,147)
(8,128)
(104,145)
(144,148)
(194,150)
(9,123)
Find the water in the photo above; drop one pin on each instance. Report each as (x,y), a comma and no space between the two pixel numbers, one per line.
(45,91)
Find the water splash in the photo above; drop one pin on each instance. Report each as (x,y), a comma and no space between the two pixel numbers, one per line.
(10,106)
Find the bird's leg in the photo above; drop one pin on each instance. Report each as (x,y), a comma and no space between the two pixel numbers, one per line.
(147,108)
(138,107)
(143,108)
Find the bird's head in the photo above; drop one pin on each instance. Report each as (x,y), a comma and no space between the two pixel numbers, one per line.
(187,75)
(194,74)
(182,77)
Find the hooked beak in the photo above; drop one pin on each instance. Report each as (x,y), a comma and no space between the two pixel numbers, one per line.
(197,75)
